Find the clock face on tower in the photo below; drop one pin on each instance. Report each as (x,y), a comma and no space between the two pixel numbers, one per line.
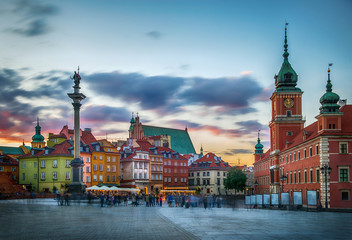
(288,103)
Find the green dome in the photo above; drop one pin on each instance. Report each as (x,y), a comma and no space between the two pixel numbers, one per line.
(258,147)
(38,137)
(329,100)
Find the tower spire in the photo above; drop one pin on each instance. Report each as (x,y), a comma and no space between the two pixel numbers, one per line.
(286,54)
(329,101)
(328,84)
(286,79)
(258,146)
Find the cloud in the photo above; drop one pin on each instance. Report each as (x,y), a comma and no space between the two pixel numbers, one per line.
(33,28)
(105,113)
(19,106)
(33,18)
(251,126)
(180,124)
(230,152)
(32,8)
(150,92)
(154,34)
(234,93)
(223,110)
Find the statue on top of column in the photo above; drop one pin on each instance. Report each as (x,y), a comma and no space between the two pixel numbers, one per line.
(76,78)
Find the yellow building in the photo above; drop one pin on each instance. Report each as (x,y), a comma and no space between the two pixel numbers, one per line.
(48,169)
(105,163)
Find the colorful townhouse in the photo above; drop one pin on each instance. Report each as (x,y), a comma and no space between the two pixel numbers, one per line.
(46,169)
(316,158)
(208,174)
(9,164)
(135,167)
(175,173)
(101,159)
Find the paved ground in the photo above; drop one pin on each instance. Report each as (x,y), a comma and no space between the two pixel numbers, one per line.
(43,219)
(49,221)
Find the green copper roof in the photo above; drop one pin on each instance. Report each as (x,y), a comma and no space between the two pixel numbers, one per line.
(180,140)
(286,80)
(12,150)
(38,137)
(258,146)
(329,99)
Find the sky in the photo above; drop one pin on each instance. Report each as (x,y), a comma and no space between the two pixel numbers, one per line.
(202,64)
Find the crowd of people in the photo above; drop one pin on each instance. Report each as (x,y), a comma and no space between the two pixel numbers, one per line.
(111,199)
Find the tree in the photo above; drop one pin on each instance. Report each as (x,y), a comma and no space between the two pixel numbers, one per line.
(235,179)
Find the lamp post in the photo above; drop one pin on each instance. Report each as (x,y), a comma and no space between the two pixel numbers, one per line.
(283,179)
(255,186)
(326,170)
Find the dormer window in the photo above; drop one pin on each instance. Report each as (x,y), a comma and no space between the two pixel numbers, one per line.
(46,151)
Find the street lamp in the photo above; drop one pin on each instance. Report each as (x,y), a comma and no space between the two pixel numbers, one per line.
(283,179)
(326,170)
(255,186)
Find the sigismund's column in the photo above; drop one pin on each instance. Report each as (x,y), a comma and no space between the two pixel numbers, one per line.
(76,185)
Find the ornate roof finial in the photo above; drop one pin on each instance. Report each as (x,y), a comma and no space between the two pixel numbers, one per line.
(329,85)
(258,134)
(286,54)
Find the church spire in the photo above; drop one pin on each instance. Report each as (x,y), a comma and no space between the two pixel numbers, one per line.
(286,54)
(38,139)
(258,146)
(329,99)
(286,80)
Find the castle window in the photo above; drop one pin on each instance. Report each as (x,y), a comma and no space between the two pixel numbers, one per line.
(317,175)
(343,174)
(289,133)
(317,149)
(345,195)
(288,113)
(343,148)
(311,175)
(310,151)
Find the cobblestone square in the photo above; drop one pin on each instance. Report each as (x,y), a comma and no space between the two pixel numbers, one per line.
(43,219)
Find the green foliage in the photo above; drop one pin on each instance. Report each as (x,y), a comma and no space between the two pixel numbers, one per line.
(235,179)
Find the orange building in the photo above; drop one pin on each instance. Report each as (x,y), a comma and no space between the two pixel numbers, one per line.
(10,165)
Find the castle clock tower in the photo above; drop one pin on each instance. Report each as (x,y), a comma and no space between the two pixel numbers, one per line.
(286,103)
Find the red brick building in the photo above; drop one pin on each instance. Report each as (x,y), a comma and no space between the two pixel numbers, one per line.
(299,156)
(175,169)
